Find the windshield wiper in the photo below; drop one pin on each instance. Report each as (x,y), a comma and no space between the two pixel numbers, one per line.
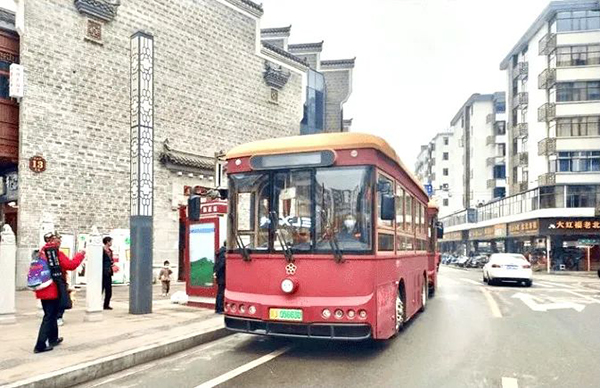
(287,251)
(238,239)
(333,241)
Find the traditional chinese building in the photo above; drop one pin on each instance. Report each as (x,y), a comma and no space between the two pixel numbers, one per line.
(65,146)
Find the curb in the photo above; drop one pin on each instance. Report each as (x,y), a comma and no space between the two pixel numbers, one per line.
(95,369)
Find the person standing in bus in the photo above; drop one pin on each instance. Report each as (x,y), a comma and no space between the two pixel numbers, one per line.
(219,275)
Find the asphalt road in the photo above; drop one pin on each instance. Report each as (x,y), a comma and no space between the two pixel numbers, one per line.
(471,335)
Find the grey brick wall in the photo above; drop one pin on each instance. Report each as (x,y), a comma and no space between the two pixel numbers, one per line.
(209,95)
(338,90)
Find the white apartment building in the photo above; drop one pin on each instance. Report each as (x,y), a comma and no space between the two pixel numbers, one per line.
(554,104)
(479,157)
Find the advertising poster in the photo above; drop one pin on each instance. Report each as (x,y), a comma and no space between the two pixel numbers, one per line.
(202,254)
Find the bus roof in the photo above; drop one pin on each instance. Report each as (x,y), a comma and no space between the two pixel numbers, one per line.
(317,142)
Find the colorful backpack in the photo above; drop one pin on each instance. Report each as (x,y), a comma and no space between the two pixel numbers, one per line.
(39,276)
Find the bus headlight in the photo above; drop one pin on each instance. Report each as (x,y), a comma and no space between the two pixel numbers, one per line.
(326,314)
(288,286)
(252,310)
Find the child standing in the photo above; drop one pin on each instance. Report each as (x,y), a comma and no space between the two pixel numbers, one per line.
(165,278)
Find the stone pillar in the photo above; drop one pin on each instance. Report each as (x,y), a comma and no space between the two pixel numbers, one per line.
(93,277)
(8,263)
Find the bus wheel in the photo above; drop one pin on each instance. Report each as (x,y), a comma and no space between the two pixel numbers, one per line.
(400,311)
(424,294)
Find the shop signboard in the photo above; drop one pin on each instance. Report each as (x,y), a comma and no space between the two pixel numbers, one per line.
(488,233)
(523,228)
(588,242)
(452,236)
(570,226)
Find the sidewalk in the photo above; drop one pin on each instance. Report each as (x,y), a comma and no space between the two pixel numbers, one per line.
(94,349)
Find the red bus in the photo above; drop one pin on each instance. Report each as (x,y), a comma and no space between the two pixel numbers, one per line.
(329,236)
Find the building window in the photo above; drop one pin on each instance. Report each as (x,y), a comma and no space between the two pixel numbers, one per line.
(576,161)
(552,197)
(502,149)
(500,127)
(578,55)
(515,175)
(445,156)
(445,202)
(515,146)
(577,20)
(581,196)
(314,108)
(578,126)
(499,192)
(500,106)
(445,141)
(445,171)
(500,171)
(578,91)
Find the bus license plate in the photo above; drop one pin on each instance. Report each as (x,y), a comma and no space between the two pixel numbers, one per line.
(285,315)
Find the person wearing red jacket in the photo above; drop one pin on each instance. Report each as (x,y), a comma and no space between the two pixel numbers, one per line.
(49,296)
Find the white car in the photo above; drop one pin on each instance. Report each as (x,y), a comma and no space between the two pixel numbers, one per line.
(507,267)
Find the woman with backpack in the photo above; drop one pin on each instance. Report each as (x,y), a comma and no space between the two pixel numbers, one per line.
(54,295)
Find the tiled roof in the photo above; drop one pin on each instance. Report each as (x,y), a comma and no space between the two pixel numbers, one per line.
(186,159)
(97,8)
(276,30)
(7,20)
(316,46)
(342,63)
(284,53)
(252,4)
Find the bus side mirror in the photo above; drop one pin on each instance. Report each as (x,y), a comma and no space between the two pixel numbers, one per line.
(440,230)
(388,207)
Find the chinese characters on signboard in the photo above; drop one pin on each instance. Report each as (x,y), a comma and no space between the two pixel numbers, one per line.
(590,225)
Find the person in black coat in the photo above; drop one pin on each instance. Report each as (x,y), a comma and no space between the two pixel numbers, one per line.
(107,271)
(219,275)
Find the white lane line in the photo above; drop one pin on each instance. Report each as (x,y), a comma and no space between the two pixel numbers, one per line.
(509,382)
(492,303)
(542,284)
(589,298)
(556,284)
(122,376)
(471,281)
(243,369)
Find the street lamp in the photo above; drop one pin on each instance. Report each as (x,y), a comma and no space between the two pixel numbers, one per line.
(142,171)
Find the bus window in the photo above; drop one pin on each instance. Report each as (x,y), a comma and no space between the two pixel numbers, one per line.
(343,203)
(250,210)
(408,212)
(384,183)
(294,206)
(385,242)
(400,207)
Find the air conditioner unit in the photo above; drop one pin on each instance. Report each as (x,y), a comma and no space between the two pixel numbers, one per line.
(445,186)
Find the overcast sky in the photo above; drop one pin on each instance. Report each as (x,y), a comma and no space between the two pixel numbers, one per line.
(417,61)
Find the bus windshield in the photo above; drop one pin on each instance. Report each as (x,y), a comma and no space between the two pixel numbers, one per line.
(312,206)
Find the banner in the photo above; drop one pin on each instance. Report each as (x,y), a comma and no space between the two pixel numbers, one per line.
(202,254)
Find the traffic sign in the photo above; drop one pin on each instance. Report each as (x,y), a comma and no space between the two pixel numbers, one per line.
(429,189)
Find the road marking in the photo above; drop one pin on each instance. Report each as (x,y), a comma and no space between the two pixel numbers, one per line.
(122,376)
(244,368)
(589,298)
(492,303)
(552,284)
(471,281)
(536,283)
(533,305)
(509,382)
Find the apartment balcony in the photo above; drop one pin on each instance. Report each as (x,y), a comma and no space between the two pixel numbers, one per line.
(494,160)
(547,44)
(522,186)
(522,130)
(547,146)
(547,79)
(493,183)
(491,139)
(521,70)
(547,112)
(489,118)
(548,179)
(520,100)
(521,159)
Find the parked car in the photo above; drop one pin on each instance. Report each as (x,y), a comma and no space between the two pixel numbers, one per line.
(461,261)
(477,261)
(507,267)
